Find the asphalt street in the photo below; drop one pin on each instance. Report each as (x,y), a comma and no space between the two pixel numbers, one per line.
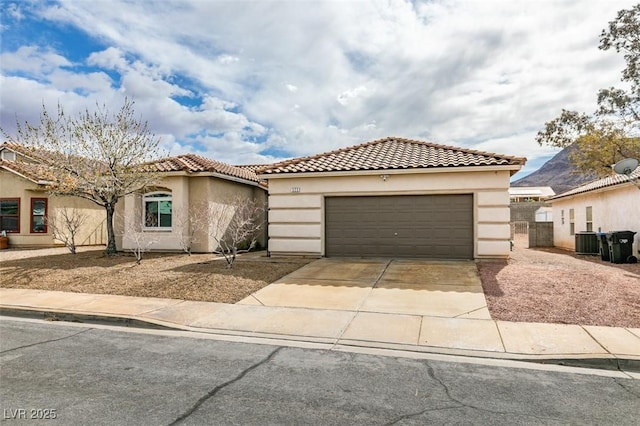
(79,374)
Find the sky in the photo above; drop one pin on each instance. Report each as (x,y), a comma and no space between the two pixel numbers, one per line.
(253,82)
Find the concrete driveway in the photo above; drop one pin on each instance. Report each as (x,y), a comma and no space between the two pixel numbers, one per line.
(449,289)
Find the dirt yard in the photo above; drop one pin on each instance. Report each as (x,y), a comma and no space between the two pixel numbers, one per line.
(176,276)
(535,285)
(556,286)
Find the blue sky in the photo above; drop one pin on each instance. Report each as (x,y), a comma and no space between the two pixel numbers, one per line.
(258,81)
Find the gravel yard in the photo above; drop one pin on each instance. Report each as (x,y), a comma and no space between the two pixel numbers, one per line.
(535,285)
(175,276)
(557,286)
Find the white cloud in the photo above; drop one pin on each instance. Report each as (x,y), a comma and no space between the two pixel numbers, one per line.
(345,97)
(293,78)
(111,58)
(32,60)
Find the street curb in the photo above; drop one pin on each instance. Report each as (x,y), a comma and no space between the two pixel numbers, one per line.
(53,316)
(605,363)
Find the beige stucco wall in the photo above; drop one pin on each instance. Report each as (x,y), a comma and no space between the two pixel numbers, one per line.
(188,191)
(92,232)
(614,209)
(296,205)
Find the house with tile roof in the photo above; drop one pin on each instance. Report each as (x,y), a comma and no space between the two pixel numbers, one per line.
(25,204)
(184,181)
(392,197)
(187,183)
(603,205)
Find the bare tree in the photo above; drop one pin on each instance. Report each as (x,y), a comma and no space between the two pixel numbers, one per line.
(191,224)
(95,155)
(140,241)
(65,224)
(235,226)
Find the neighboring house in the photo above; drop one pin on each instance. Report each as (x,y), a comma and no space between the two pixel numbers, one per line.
(528,203)
(392,197)
(188,184)
(608,204)
(25,203)
(527,194)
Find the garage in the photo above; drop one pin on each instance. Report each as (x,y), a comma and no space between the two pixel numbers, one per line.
(392,197)
(425,226)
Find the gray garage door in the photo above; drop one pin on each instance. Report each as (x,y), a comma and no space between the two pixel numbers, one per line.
(428,226)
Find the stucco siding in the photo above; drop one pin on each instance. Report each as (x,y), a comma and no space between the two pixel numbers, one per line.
(492,249)
(191,195)
(91,232)
(296,205)
(285,201)
(491,231)
(494,214)
(493,198)
(308,215)
(613,209)
(290,246)
(294,230)
(394,183)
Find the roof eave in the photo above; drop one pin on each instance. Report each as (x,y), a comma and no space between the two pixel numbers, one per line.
(9,169)
(611,187)
(513,168)
(235,179)
(187,173)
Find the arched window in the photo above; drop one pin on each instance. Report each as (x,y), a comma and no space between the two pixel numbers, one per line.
(157,210)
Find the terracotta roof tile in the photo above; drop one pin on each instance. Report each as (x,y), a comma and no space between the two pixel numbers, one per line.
(391,154)
(599,184)
(192,163)
(189,163)
(33,171)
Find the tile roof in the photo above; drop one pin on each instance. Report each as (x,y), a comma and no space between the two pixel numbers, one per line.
(252,167)
(391,154)
(189,163)
(192,163)
(35,172)
(27,151)
(608,181)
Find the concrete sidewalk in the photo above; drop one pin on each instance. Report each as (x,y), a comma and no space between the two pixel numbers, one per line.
(606,347)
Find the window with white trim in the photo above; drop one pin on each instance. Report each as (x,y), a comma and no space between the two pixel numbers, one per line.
(8,155)
(572,224)
(157,211)
(589,213)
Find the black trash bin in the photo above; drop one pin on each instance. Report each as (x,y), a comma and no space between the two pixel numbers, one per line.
(586,243)
(603,245)
(621,247)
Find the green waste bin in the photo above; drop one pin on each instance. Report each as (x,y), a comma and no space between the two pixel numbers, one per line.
(603,245)
(621,247)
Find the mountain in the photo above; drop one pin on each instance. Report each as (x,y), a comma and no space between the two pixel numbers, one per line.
(558,173)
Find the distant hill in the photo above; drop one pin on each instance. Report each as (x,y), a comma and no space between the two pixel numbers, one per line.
(558,173)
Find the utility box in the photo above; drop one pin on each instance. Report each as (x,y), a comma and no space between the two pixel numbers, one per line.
(621,247)
(587,243)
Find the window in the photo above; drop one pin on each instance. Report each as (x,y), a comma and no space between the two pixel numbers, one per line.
(572,225)
(39,215)
(10,214)
(8,155)
(157,210)
(589,219)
